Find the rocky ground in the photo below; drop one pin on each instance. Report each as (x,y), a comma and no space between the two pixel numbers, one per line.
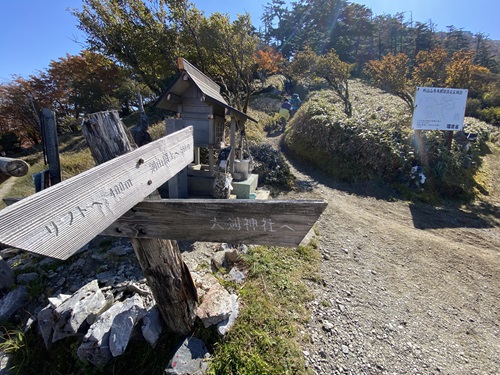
(406,289)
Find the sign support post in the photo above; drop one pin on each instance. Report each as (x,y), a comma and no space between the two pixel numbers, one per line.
(160,260)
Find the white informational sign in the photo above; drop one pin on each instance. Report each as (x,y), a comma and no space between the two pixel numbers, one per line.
(439,109)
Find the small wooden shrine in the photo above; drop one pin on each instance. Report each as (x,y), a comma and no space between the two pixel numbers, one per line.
(198,103)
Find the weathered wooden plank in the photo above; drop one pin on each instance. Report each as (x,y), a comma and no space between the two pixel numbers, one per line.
(58,221)
(260,222)
(13,167)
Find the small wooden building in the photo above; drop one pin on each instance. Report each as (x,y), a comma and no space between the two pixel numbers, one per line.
(197,101)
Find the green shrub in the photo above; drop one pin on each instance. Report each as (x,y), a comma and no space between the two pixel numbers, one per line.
(9,142)
(266,104)
(449,172)
(68,124)
(490,115)
(363,147)
(473,106)
(272,124)
(492,98)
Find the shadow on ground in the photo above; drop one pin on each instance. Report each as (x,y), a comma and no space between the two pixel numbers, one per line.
(429,217)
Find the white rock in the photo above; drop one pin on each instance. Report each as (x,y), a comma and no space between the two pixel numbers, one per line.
(83,306)
(216,306)
(123,324)
(224,326)
(152,326)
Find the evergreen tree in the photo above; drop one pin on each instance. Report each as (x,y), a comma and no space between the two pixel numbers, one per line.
(455,40)
(275,13)
(483,54)
(353,35)
(424,38)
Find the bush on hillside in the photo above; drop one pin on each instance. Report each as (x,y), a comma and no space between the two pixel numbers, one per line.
(273,124)
(269,105)
(490,115)
(363,147)
(473,106)
(9,143)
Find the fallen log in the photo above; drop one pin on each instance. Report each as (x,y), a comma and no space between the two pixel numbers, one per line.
(12,168)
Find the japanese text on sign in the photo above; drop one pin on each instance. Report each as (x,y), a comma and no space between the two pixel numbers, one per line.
(248,224)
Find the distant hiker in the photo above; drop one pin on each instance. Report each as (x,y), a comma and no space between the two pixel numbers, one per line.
(284,113)
(295,103)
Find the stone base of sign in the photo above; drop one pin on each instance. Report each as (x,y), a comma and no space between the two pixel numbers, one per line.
(243,189)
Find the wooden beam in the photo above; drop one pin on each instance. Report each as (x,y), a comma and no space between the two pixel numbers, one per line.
(232,141)
(259,222)
(266,222)
(58,221)
(13,167)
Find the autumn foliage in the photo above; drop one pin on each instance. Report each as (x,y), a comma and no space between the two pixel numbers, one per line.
(392,73)
(433,68)
(463,73)
(269,61)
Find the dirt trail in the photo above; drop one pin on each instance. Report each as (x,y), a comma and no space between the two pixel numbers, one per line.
(406,288)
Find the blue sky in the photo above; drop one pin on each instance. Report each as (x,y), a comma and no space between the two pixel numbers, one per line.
(34,32)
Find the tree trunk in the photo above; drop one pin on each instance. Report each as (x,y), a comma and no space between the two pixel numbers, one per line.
(161,261)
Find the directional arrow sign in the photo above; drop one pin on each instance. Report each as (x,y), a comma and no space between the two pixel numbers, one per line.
(260,222)
(58,221)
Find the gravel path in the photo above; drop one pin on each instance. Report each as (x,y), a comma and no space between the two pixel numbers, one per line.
(405,289)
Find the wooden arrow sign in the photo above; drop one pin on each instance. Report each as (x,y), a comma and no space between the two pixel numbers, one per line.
(58,221)
(260,222)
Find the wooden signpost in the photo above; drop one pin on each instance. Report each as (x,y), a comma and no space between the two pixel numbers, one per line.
(258,222)
(58,221)
(160,260)
(50,145)
(118,197)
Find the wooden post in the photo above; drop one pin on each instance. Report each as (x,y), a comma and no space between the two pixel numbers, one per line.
(178,185)
(197,158)
(449,139)
(233,144)
(50,145)
(161,261)
(420,145)
(211,158)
